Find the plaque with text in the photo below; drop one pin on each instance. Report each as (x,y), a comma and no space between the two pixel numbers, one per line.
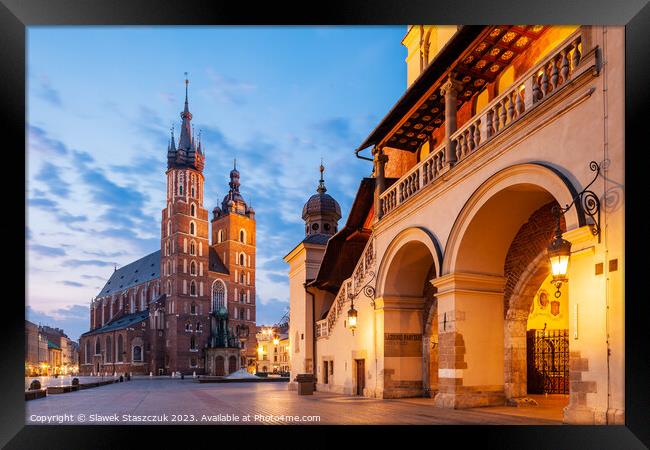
(402,344)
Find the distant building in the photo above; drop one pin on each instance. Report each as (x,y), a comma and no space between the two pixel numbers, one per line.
(49,351)
(272,349)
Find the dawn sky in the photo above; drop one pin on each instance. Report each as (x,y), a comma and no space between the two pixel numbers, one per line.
(100,105)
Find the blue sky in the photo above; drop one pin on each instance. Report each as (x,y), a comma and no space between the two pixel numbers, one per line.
(100,105)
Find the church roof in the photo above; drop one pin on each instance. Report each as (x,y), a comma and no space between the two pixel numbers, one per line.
(320,239)
(141,271)
(215,263)
(120,322)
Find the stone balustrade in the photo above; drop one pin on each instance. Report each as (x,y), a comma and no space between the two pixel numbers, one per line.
(526,93)
(415,179)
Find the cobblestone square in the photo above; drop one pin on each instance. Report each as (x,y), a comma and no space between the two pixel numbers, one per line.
(175,401)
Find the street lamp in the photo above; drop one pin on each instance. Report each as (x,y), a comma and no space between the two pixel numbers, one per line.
(276,340)
(559,250)
(352,317)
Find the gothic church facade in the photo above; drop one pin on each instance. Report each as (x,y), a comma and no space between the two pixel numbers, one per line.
(166,312)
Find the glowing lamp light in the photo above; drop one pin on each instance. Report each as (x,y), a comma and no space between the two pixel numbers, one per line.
(276,340)
(559,252)
(352,318)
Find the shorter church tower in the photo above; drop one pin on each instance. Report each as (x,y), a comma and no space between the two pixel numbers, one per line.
(233,243)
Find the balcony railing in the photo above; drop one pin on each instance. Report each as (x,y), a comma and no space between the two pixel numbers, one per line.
(525,94)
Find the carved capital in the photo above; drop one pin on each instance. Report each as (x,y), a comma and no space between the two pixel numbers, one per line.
(451,86)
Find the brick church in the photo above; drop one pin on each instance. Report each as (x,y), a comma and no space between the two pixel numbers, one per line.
(190,306)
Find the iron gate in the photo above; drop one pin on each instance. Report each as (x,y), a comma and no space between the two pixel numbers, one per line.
(548,361)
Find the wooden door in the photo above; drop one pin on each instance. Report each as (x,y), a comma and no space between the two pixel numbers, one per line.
(361,376)
(219,366)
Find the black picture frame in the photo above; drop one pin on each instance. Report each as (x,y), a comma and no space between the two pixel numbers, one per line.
(16,15)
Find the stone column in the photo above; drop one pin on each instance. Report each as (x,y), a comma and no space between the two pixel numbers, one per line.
(450,91)
(380,179)
(470,338)
(399,331)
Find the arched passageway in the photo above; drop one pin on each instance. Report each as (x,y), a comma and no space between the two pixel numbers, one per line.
(406,300)
(494,264)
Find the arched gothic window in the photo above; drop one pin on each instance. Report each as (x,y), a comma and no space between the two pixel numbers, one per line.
(137,353)
(120,348)
(218,295)
(88,355)
(192,207)
(192,343)
(242,236)
(193,268)
(109,353)
(242,259)
(192,248)
(192,288)
(192,228)
(98,347)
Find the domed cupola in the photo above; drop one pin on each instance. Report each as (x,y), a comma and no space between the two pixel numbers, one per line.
(321,213)
(234,201)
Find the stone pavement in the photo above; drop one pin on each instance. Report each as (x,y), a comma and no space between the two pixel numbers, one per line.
(174,401)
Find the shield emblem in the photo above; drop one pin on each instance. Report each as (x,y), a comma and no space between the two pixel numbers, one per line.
(555,307)
(543,299)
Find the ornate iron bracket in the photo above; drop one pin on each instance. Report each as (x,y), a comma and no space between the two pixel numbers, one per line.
(367,289)
(588,201)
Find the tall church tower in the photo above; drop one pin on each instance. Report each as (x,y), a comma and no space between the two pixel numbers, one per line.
(234,241)
(184,252)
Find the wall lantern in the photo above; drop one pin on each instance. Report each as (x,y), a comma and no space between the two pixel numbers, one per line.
(352,318)
(559,250)
(276,340)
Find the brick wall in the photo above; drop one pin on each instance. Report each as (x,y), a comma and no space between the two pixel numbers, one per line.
(532,238)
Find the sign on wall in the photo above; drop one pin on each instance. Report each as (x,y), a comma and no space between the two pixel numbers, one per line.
(402,344)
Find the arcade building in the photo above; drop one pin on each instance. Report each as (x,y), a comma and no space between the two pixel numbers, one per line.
(482,260)
(190,306)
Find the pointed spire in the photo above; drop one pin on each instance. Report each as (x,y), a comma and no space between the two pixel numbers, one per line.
(185,141)
(321,183)
(172,144)
(234,166)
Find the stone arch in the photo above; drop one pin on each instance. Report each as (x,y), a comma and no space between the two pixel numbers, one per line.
(404,292)
(410,237)
(502,195)
(485,336)
(514,339)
